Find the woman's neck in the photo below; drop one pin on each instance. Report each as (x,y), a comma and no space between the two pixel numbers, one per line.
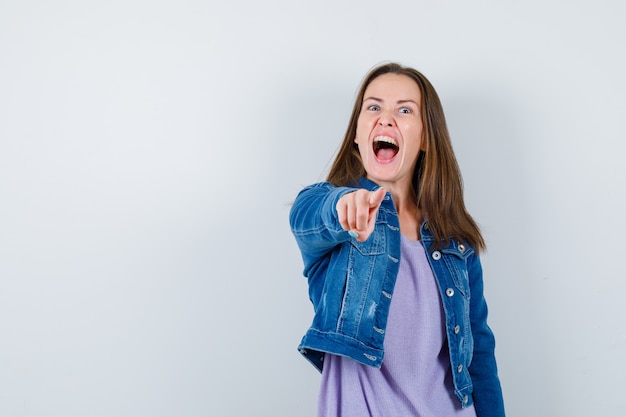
(409,215)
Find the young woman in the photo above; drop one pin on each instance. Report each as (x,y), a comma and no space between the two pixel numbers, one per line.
(391,257)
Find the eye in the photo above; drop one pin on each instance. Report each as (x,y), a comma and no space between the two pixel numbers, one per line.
(373,107)
(406,110)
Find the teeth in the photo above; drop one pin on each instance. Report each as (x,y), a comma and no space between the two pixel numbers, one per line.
(386,139)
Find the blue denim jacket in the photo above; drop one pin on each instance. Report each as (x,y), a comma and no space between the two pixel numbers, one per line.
(351,284)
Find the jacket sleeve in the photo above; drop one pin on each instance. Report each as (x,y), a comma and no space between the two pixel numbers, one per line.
(314,223)
(487,393)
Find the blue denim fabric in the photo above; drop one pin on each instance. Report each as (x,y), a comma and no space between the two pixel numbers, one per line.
(351,285)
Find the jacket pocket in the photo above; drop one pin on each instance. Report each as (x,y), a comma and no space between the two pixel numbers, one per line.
(456,262)
(374,245)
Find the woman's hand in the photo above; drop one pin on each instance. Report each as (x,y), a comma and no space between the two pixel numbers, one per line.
(357,212)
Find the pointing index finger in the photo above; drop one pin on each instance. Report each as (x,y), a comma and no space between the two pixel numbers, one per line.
(377,197)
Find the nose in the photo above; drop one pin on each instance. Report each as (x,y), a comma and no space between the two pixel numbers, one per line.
(386,120)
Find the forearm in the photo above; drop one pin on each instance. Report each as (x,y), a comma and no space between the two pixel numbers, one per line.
(314,222)
(488,400)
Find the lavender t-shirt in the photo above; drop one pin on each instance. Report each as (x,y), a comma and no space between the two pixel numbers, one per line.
(415,378)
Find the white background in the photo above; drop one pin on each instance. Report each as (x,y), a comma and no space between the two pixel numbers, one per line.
(149,151)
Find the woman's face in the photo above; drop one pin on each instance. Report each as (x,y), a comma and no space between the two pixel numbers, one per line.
(389,130)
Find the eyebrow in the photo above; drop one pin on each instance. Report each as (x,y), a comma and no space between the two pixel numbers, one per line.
(398,102)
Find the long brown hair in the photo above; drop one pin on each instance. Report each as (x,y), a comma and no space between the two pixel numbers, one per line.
(437,182)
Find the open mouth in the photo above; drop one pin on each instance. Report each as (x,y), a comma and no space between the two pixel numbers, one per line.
(385,148)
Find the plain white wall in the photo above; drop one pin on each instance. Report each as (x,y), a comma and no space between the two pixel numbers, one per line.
(149,151)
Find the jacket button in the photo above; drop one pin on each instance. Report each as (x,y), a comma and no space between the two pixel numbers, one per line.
(436,255)
(459,368)
(449,292)
(461,248)
(457,329)
(465,399)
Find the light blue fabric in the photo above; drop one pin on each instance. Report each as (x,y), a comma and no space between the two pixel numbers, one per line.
(351,284)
